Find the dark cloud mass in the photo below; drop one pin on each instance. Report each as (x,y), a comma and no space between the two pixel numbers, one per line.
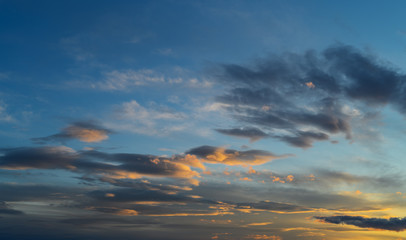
(5,209)
(39,158)
(83,131)
(324,92)
(391,224)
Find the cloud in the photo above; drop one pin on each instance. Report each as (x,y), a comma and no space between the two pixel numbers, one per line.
(258,224)
(252,133)
(124,80)
(302,98)
(153,120)
(327,179)
(391,224)
(59,157)
(5,209)
(303,139)
(129,165)
(4,115)
(276,207)
(263,236)
(218,155)
(119,165)
(82,131)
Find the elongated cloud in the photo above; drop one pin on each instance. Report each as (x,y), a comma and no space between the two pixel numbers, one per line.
(59,157)
(121,165)
(83,131)
(129,165)
(272,207)
(5,209)
(217,155)
(252,133)
(303,98)
(391,224)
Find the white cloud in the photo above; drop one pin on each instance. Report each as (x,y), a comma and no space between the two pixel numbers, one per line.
(4,116)
(127,79)
(156,120)
(117,80)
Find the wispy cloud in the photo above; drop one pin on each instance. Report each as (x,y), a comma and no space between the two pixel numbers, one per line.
(300,99)
(153,120)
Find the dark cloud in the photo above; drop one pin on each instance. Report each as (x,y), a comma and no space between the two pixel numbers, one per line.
(34,192)
(5,209)
(304,139)
(324,91)
(40,158)
(128,164)
(252,133)
(212,154)
(391,224)
(83,131)
(251,97)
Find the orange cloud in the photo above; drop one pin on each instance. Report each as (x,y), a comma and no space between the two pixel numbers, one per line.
(258,224)
(221,155)
(258,236)
(239,158)
(290,178)
(310,85)
(86,135)
(246,179)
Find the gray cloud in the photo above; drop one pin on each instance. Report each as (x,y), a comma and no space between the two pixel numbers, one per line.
(5,209)
(40,158)
(126,164)
(324,91)
(252,133)
(391,224)
(272,207)
(303,139)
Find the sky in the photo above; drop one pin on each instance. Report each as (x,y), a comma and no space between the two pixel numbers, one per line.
(202,120)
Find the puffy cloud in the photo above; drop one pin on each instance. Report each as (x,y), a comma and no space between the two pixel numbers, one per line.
(391,224)
(217,155)
(302,98)
(83,131)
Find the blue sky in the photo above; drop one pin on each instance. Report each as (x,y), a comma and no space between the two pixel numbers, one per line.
(202,119)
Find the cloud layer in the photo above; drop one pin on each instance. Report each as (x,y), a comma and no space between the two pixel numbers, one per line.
(391,224)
